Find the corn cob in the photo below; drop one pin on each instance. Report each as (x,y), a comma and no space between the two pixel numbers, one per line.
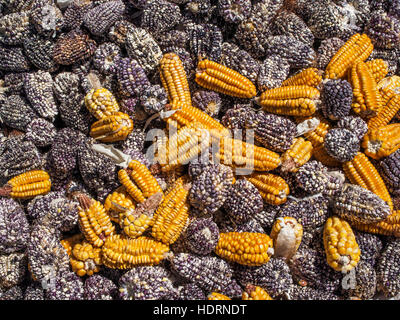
(138,181)
(287,234)
(298,154)
(388,87)
(362,172)
(217,296)
(273,189)
(123,253)
(94,223)
(136,221)
(217,77)
(173,79)
(320,154)
(240,154)
(366,97)
(185,145)
(382,141)
(378,69)
(290,100)
(114,127)
(85,260)
(386,114)
(27,185)
(172,215)
(121,197)
(388,227)
(252,292)
(245,248)
(99,101)
(308,77)
(341,249)
(357,48)
(186,114)
(70,242)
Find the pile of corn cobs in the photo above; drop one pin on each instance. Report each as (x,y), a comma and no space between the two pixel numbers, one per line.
(205,149)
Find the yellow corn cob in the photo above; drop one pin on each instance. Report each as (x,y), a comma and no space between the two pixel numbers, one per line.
(383,141)
(388,227)
(246,248)
(173,79)
(27,185)
(308,77)
(290,100)
(115,127)
(172,215)
(253,292)
(378,69)
(287,234)
(366,97)
(185,145)
(123,253)
(138,181)
(85,259)
(297,155)
(121,197)
(273,189)
(320,154)
(217,296)
(239,154)
(216,77)
(362,172)
(386,114)
(388,87)
(70,242)
(341,249)
(186,114)
(94,223)
(357,48)
(136,221)
(101,103)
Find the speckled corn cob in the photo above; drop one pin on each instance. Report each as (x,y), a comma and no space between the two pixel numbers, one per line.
(217,296)
(359,205)
(115,127)
(382,141)
(287,234)
(172,215)
(85,259)
(186,114)
(253,292)
(320,154)
(122,198)
(217,77)
(237,153)
(94,223)
(290,100)
(341,249)
(386,114)
(366,97)
(136,221)
(378,69)
(138,181)
(298,154)
(185,145)
(27,185)
(273,189)
(245,248)
(308,77)
(122,253)
(101,103)
(388,227)
(362,172)
(173,79)
(357,48)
